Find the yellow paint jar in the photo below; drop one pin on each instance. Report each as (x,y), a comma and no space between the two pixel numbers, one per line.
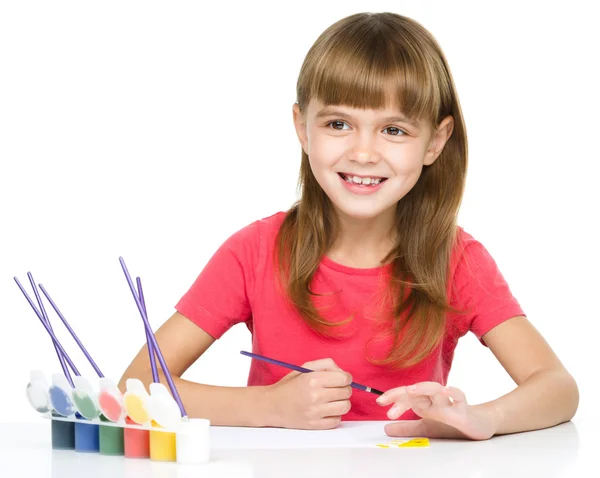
(163,445)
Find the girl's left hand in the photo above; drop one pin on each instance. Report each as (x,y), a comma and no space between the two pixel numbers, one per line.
(444,412)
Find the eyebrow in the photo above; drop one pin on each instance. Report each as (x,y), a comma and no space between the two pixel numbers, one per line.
(390,119)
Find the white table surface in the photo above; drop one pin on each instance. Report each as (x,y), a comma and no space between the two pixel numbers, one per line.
(568,450)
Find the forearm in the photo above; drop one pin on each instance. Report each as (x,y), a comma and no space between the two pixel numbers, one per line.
(546,399)
(223,406)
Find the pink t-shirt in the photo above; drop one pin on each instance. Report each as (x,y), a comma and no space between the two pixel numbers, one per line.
(238,284)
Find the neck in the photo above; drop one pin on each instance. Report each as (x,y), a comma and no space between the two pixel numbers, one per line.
(363,243)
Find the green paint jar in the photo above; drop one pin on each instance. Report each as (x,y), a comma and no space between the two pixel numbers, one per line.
(111,438)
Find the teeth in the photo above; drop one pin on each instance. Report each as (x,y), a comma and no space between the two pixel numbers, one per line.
(365,181)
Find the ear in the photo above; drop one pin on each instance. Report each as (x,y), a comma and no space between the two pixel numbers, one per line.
(439,139)
(300,125)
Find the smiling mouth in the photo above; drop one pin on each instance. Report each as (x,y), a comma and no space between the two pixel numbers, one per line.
(362,180)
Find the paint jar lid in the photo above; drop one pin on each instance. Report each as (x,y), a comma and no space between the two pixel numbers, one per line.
(83,384)
(193,425)
(37,376)
(60,381)
(136,386)
(38,396)
(108,385)
(162,407)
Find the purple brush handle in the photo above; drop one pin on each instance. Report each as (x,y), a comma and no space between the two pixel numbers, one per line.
(358,386)
(58,347)
(47,321)
(155,377)
(153,339)
(83,349)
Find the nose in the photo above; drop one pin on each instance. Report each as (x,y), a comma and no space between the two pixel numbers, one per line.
(363,150)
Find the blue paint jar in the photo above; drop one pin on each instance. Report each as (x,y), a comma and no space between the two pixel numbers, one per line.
(87,436)
(63,434)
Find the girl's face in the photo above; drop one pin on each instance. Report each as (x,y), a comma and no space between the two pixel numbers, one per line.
(366,160)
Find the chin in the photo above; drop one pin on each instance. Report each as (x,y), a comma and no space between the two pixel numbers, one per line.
(363,213)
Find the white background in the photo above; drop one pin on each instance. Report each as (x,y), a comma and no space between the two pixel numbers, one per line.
(154,130)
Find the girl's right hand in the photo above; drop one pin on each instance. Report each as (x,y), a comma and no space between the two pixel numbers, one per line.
(310,401)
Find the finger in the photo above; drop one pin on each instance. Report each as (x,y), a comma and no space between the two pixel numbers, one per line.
(405,428)
(326,423)
(421,402)
(330,378)
(334,394)
(455,394)
(322,364)
(398,409)
(336,409)
(425,388)
(422,428)
(393,395)
(431,390)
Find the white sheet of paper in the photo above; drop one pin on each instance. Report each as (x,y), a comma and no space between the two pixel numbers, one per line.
(359,434)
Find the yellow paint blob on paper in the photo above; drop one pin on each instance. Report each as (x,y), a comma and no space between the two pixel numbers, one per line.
(405,443)
(415,443)
(134,406)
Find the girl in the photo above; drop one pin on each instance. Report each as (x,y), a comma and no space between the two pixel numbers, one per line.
(367,277)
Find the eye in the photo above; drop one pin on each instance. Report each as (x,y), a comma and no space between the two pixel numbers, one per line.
(336,122)
(395,131)
(393,128)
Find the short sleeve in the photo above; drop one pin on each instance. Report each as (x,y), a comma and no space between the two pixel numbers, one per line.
(219,297)
(480,289)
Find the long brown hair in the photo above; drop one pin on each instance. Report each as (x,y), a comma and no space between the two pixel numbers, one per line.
(357,62)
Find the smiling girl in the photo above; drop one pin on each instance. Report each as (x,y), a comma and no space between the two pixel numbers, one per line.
(367,277)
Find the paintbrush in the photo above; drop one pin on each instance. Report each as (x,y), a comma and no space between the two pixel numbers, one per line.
(358,386)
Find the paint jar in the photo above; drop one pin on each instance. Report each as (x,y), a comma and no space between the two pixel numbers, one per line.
(162,444)
(110,438)
(61,396)
(86,436)
(162,407)
(193,441)
(135,400)
(136,443)
(110,400)
(38,392)
(63,434)
(85,398)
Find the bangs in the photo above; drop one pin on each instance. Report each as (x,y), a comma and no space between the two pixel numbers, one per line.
(373,68)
